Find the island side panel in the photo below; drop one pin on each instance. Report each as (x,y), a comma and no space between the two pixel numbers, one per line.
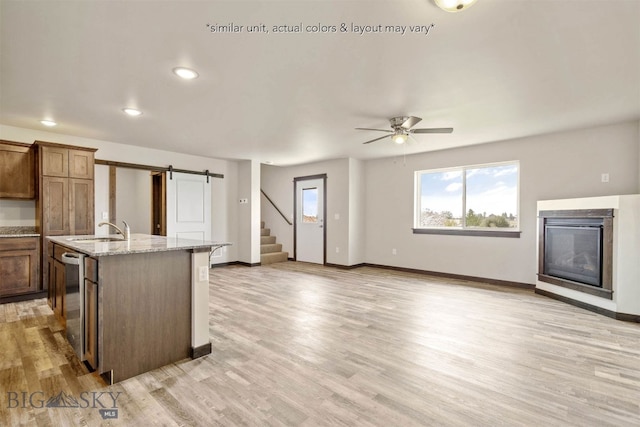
(144,311)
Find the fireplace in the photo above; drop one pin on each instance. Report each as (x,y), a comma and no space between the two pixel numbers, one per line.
(576,250)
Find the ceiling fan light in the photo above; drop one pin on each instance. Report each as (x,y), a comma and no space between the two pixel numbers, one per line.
(399,138)
(454,5)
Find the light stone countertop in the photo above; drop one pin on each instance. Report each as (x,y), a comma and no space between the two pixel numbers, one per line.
(140,243)
(18,231)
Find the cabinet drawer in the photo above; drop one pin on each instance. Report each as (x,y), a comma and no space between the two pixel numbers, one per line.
(91,269)
(18,243)
(58,251)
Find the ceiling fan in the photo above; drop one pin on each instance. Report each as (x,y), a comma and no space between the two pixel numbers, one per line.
(401,129)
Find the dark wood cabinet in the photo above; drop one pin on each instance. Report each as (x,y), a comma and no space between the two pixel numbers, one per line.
(17,170)
(91,312)
(19,261)
(57,277)
(65,202)
(54,161)
(81,164)
(54,199)
(81,206)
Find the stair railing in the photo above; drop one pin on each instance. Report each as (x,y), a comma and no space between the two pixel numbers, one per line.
(274,205)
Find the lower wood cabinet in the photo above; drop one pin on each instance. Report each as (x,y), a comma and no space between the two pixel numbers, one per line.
(91,312)
(19,261)
(57,277)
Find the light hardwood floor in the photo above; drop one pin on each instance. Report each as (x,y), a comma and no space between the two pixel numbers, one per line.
(301,345)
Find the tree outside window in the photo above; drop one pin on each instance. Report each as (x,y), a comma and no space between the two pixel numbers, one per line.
(487,194)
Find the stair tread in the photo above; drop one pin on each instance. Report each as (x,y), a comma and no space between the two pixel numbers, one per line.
(273,257)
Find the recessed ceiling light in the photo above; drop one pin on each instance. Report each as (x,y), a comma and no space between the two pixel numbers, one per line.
(48,122)
(132,112)
(185,73)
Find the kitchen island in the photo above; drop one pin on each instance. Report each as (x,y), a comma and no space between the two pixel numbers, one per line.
(143,303)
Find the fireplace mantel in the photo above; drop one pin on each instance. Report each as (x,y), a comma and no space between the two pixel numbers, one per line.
(619,296)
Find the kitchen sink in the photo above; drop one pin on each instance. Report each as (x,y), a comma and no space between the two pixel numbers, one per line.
(96,239)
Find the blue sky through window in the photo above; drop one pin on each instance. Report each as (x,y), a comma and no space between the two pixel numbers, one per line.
(310,202)
(489,190)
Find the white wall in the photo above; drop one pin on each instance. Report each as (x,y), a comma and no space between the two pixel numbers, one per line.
(133,200)
(343,229)
(554,166)
(249,213)
(114,151)
(20,213)
(101,198)
(357,213)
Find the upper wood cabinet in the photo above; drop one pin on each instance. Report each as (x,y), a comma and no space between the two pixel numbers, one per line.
(81,164)
(66,162)
(54,161)
(17,170)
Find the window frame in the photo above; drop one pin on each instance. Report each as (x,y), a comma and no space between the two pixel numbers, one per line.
(464,230)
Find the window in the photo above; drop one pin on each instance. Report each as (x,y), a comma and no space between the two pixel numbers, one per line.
(310,205)
(469,198)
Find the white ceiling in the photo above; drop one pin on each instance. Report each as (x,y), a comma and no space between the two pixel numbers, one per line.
(499,70)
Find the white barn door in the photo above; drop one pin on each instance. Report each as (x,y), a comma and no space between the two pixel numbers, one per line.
(188,206)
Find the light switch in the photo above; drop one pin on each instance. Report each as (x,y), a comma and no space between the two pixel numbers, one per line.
(105,215)
(604,177)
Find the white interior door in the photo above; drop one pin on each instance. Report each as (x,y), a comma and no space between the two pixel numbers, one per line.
(310,220)
(188,207)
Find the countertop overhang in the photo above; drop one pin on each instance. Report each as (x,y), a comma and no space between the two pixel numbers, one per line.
(139,243)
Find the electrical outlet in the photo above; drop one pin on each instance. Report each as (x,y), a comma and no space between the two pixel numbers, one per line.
(394,251)
(604,177)
(337,250)
(203,272)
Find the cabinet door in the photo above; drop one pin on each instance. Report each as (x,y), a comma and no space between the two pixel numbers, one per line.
(91,323)
(55,206)
(81,164)
(18,265)
(55,161)
(59,281)
(17,172)
(49,280)
(81,206)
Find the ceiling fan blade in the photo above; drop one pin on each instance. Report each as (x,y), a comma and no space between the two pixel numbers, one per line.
(410,122)
(432,130)
(377,139)
(379,130)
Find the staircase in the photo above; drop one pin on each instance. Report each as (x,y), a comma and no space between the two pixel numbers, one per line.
(270,251)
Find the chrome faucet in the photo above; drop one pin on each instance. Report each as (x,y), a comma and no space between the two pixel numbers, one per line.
(126,235)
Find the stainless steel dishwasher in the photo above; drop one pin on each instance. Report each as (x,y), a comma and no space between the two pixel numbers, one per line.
(74,300)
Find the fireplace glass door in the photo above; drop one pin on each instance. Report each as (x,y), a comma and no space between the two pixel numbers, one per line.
(573,251)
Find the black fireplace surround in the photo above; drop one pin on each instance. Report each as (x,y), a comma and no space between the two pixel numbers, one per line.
(576,249)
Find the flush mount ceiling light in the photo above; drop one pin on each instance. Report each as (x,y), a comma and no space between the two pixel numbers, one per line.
(132,112)
(185,73)
(454,5)
(49,123)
